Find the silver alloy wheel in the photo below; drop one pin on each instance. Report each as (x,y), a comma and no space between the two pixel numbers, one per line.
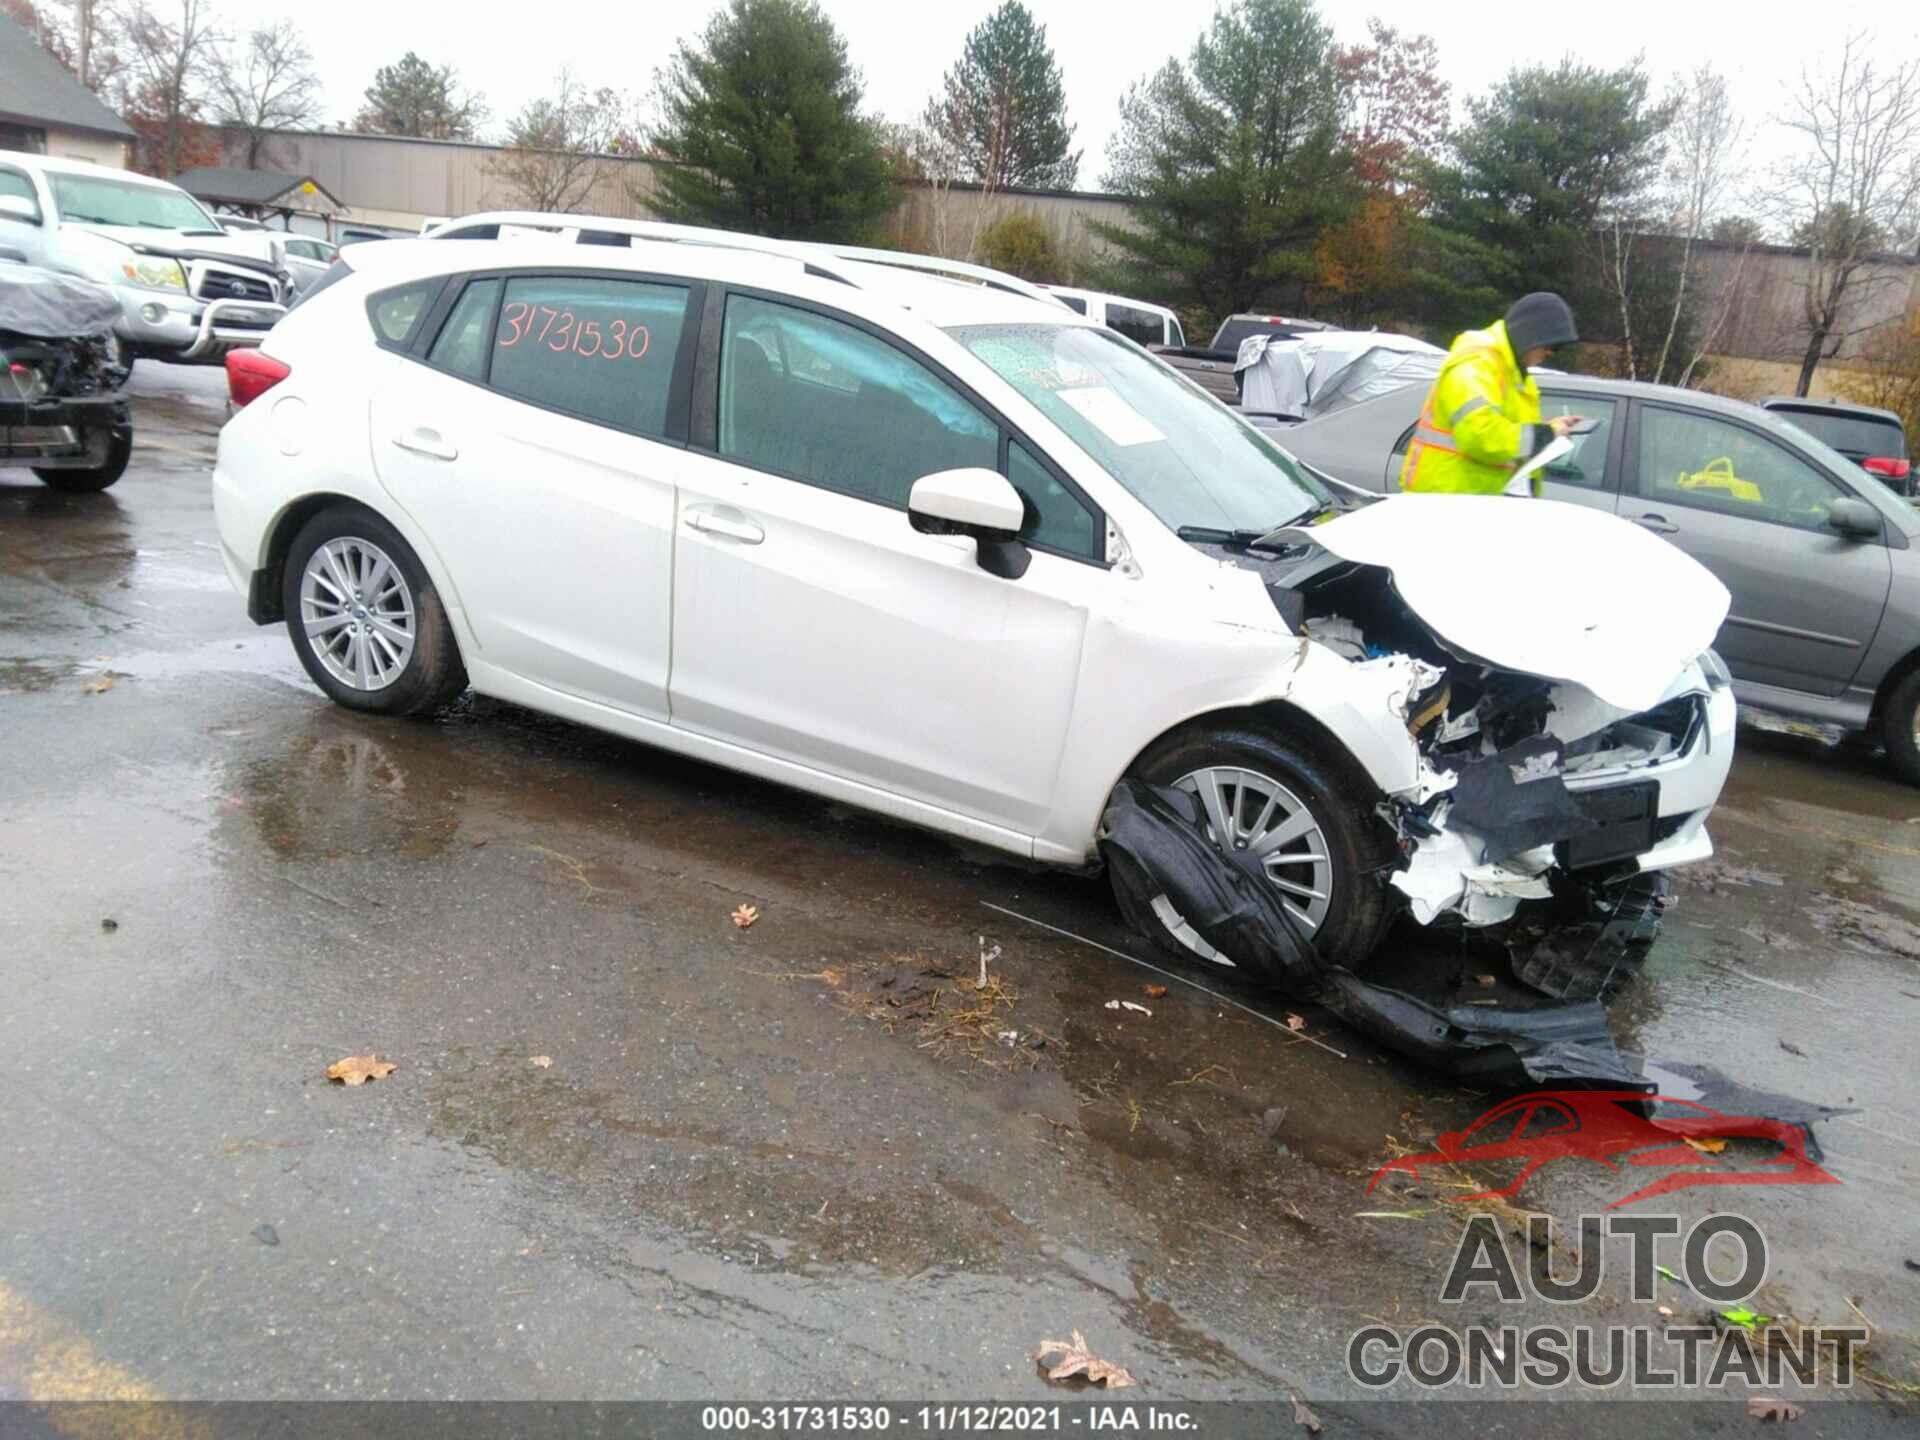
(358,613)
(1258,814)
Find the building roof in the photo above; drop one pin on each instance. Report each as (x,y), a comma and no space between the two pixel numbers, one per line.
(256,187)
(36,88)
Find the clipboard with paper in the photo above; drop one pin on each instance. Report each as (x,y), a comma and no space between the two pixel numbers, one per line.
(1522,481)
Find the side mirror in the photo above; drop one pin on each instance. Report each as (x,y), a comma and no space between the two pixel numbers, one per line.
(1855,519)
(976,502)
(20,208)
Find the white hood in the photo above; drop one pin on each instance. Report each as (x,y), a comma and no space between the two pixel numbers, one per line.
(1542,587)
(250,247)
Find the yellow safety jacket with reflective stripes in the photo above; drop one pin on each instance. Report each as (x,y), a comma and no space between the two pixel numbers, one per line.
(1481,420)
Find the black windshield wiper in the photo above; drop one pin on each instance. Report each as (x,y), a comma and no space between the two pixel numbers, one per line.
(1235,539)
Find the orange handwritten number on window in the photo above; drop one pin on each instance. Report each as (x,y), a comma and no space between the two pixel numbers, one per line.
(616,340)
(639,332)
(517,321)
(552,315)
(561,336)
(585,326)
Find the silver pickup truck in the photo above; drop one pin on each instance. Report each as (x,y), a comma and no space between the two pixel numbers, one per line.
(188,291)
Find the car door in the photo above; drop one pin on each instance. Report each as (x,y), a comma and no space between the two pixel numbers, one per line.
(813,623)
(1807,600)
(536,439)
(1588,475)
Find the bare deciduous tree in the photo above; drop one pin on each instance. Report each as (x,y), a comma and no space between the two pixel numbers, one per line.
(1852,188)
(1706,158)
(164,89)
(268,84)
(556,144)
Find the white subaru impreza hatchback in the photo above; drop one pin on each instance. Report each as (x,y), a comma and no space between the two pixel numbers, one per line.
(951,552)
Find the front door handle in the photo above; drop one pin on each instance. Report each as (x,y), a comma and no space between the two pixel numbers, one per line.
(423,441)
(1657,523)
(726,521)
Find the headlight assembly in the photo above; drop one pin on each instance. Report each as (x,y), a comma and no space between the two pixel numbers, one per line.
(155,272)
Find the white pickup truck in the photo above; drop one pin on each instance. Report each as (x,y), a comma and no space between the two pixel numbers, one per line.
(188,291)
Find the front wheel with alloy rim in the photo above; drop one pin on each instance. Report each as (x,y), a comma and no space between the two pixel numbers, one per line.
(1282,811)
(365,619)
(1900,728)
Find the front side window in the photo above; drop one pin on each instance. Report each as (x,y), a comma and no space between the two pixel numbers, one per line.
(1586,464)
(1143,327)
(1182,455)
(91,199)
(1706,463)
(602,349)
(825,402)
(13,183)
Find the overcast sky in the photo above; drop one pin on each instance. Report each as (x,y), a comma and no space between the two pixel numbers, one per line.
(510,52)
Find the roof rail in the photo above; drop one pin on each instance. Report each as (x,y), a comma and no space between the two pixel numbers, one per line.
(813,252)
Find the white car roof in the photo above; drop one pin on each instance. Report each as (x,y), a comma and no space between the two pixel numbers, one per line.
(1107,298)
(53,164)
(944,297)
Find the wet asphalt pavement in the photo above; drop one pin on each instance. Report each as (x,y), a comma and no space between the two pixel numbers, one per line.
(803,1158)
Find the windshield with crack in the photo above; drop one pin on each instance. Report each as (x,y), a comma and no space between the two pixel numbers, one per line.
(1180,453)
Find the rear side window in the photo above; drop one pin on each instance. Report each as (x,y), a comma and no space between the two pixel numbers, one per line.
(461,345)
(397,313)
(1858,437)
(1073,303)
(470,232)
(598,348)
(1143,327)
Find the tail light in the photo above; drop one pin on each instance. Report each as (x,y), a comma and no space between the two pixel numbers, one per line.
(1886,467)
(250,374)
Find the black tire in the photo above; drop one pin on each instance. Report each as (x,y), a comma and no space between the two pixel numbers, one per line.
(1341,801)
(1898,723)
(88,482)
(432,676)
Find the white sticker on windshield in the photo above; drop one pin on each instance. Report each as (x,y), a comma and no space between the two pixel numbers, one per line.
(1112,416)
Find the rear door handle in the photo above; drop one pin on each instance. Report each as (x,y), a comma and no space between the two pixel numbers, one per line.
(1657,523)
(726,521)
(422,441)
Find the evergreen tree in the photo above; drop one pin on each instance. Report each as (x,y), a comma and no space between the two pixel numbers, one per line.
(763,129)
(1234,163)
(1003,107)
(411,97)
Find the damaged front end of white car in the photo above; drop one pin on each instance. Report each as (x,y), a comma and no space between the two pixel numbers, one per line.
(1570,728)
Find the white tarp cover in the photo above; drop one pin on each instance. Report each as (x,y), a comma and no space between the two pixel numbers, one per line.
(1316,374)
(51,306)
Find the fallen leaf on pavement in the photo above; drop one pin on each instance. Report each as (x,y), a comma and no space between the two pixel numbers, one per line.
(100,686)
(745,915)
(1745,1318)
(545,1062)
(1769,1407)
(1793,1049)
(1666,1310)
(1294,1022)
(1302,1416)
(1153,992)
(1706,1146)
(1064,1361)
(358,1069)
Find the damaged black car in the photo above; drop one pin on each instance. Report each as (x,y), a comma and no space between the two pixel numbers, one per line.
(63,409)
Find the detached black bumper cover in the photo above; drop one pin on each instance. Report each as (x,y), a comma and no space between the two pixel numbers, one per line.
(1154,839)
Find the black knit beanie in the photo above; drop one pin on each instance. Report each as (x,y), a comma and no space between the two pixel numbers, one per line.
(1541,318)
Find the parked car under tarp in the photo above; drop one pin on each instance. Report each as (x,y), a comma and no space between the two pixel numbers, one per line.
(1306,376)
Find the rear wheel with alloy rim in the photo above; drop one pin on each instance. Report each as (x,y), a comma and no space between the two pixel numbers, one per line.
(1280,810)
(365,619)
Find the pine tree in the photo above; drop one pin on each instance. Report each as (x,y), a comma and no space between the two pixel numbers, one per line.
(411,97)
(1003,108)
(763,129)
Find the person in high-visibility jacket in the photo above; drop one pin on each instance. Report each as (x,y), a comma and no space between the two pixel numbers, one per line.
(1482,421)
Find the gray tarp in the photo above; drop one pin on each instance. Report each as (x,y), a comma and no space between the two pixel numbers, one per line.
(1317,374)
(51,306)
